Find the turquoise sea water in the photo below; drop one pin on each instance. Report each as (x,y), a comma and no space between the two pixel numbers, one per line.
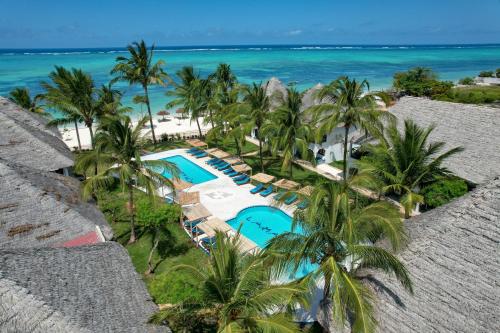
(261,223)
(189,171)
(302,65)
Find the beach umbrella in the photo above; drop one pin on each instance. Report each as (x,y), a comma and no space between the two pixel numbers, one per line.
(163,113)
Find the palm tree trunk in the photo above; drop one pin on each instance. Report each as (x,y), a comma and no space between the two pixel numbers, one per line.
(260,156)
(91,131)
(132,213)
(346,138)
(150,257)
(199,128)
(149,113)
(237,144)
(78,136)
(291,169)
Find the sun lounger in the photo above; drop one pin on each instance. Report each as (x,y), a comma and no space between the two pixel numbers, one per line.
(198,153)
(216,164)
(257,188)
(201,155)
(212,161)
(233,173)
(291,199)
(243,181)
(192,150)
(303,204)
(240,177)
(223,166)
(267,191)
(228,171)
(279,195)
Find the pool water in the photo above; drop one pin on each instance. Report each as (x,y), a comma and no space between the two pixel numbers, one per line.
(188,171)
(261,223)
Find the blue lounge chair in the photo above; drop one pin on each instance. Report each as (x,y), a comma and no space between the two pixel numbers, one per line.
(243,181)
(223,166)
(228,171)
(240,177)
(291,199)
(257,188)
(216,164)
(267,191)
(212,160)
(279,195)
(233,173)
(192,150)
(303,204)
(201,155)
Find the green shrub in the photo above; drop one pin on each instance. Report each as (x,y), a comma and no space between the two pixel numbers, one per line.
(471,95)
(498,73)
(466,81)
(174,287)
(486,74)
(443,191)
(420,81)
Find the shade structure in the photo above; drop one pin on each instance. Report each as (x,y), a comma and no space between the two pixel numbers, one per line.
(180,111)
(211,150)
(245,245)
(233,160)
(196,143)
(189,198)
(180,184)
(263,178)
(195,212)
(242,168)
(218,224)
(220,154)
(163,113)
(206,228)
(306,190)
(286,184)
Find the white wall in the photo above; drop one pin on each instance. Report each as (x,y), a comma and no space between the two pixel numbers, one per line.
(333,146)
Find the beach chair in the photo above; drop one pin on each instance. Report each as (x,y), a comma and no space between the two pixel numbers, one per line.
(233,173)
(192,150)
(243,181)
(228,171)
(257,188)
(200,152)
(212,160)
(216,164)
(223,166)
(303,204)
(201,155)
(267,191)
(291,199)
(279,195)
(240,177)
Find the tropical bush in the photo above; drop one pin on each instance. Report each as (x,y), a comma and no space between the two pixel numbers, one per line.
(471,95)
(498,72)
(486,74)
(443,191)
(420,82)
(466,81)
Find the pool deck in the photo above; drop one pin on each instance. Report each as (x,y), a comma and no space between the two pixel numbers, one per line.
(221,196)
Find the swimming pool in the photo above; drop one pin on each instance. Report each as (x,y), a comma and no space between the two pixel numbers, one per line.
(261,223)
(188,171)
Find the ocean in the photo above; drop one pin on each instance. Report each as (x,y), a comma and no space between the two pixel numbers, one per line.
(303,66)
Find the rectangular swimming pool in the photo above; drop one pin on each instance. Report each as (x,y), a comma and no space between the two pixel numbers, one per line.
(188,171)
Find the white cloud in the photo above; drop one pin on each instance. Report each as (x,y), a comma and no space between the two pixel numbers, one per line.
(295,32)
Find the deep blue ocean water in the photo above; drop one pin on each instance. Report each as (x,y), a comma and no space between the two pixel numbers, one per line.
(302,65)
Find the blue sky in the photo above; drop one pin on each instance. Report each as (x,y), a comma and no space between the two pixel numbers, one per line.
(101,23)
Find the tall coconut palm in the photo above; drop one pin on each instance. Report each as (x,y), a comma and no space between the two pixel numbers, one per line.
(288,132)
(405,162)
(348,107)
(256,105)
(139,68)
(225,78)
(110,101)
(338,238)
(237,294)
(117,154)
(189,93)
(72,92)
(21,96)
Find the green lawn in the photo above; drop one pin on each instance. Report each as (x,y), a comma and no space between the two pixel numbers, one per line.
(472,95)
(174,249)
(167,145)
(230,147)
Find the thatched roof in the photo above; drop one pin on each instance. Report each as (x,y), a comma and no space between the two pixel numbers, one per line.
(286,184)
(242,168)
(40,209)
(475,128)
(24,139)
(276,90)
(195,212)
(309,97)
(180,184)
(189,198)
(217,224)
(233,160)
(263,178)
(196,143)
(80,289)
(454,263)
(219,153)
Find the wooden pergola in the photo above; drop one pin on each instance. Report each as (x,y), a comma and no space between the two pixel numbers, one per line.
(210,150)
(220,154)
(245,245)
(286,184)
(233,160)
(263,178)
(195,212)
(181,185)
(196,143)
(188,198)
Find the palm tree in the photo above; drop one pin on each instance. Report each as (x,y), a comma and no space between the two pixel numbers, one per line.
(140,69)
(256,105)
(117,154)
(346,107)
(189,93)
(225,78)
(110,101)
(21,96)
(288,132)
(73,93)
(338,239)
(237,294)
(405,162)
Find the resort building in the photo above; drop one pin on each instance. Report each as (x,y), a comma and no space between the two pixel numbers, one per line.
(58,271)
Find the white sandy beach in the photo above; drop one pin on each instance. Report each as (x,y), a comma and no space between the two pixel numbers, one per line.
(183,127)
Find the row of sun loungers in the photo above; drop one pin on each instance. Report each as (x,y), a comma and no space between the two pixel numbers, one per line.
(226,168)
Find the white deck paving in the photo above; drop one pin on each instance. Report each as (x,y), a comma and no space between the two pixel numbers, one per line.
(221,196)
